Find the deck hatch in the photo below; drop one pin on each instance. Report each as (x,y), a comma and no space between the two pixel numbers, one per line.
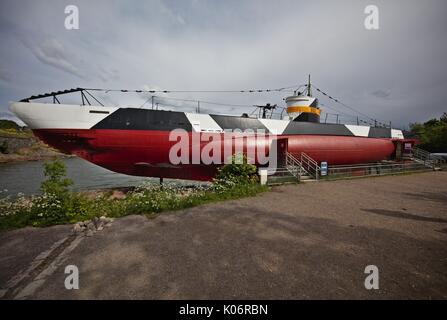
(98,111)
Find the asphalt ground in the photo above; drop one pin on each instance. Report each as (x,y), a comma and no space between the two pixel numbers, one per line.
(306,241)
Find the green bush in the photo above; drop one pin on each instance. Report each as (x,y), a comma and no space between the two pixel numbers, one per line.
(56,184)
(57,204)
(238,172)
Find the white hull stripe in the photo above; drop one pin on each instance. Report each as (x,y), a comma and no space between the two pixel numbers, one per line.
(275,126)
(60,116)
(359,131)
(203,123)
(397,134)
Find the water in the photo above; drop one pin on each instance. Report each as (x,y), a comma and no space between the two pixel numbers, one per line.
(25,177)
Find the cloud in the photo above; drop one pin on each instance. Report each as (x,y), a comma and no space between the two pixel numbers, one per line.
(381,93)
(5,75)
(232,45)
(106,74)
(53,53)
(6,114)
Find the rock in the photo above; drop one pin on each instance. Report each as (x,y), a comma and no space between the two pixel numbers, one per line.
(117,195)
(96,221)
(78,227)
(91,226)
(106,220)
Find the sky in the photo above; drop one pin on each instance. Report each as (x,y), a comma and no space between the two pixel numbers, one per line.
(397,73)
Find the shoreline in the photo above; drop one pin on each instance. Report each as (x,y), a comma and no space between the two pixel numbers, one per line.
(17,158)
(21,147)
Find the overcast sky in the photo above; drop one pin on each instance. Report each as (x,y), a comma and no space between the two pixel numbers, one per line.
(397,73)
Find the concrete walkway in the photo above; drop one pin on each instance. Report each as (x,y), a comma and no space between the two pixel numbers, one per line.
(311,240)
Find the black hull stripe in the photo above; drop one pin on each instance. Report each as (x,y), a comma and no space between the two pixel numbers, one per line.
(229,122)
(317,129)
(379,132)
(143,119)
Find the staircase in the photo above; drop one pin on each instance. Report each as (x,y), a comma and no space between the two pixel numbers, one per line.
(428,159)
(309,167)
(298,167)
(301,167)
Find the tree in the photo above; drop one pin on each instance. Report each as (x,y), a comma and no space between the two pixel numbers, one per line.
(433,134)
(56,182)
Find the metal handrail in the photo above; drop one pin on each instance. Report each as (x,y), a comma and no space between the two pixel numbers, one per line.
(310,165)
(302,163)
(293,165)
(307,165)
(427,158)
(373,170)
(425,155)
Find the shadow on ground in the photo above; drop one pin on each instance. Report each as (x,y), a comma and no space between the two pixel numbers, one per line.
(430,196)
(404,215)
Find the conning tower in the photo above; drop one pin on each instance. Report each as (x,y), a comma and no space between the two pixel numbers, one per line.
(302,106)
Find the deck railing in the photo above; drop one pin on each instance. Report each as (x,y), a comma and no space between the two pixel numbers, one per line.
(310,165)
(378,169)
(427,158)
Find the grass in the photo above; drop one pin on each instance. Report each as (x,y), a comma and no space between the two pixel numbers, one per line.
(14,133)
(149,200)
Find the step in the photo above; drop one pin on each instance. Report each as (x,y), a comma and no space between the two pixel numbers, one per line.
(281,179)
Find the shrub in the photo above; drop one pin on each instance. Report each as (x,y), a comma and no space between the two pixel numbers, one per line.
(56,184)
(238,172)
(57,204)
